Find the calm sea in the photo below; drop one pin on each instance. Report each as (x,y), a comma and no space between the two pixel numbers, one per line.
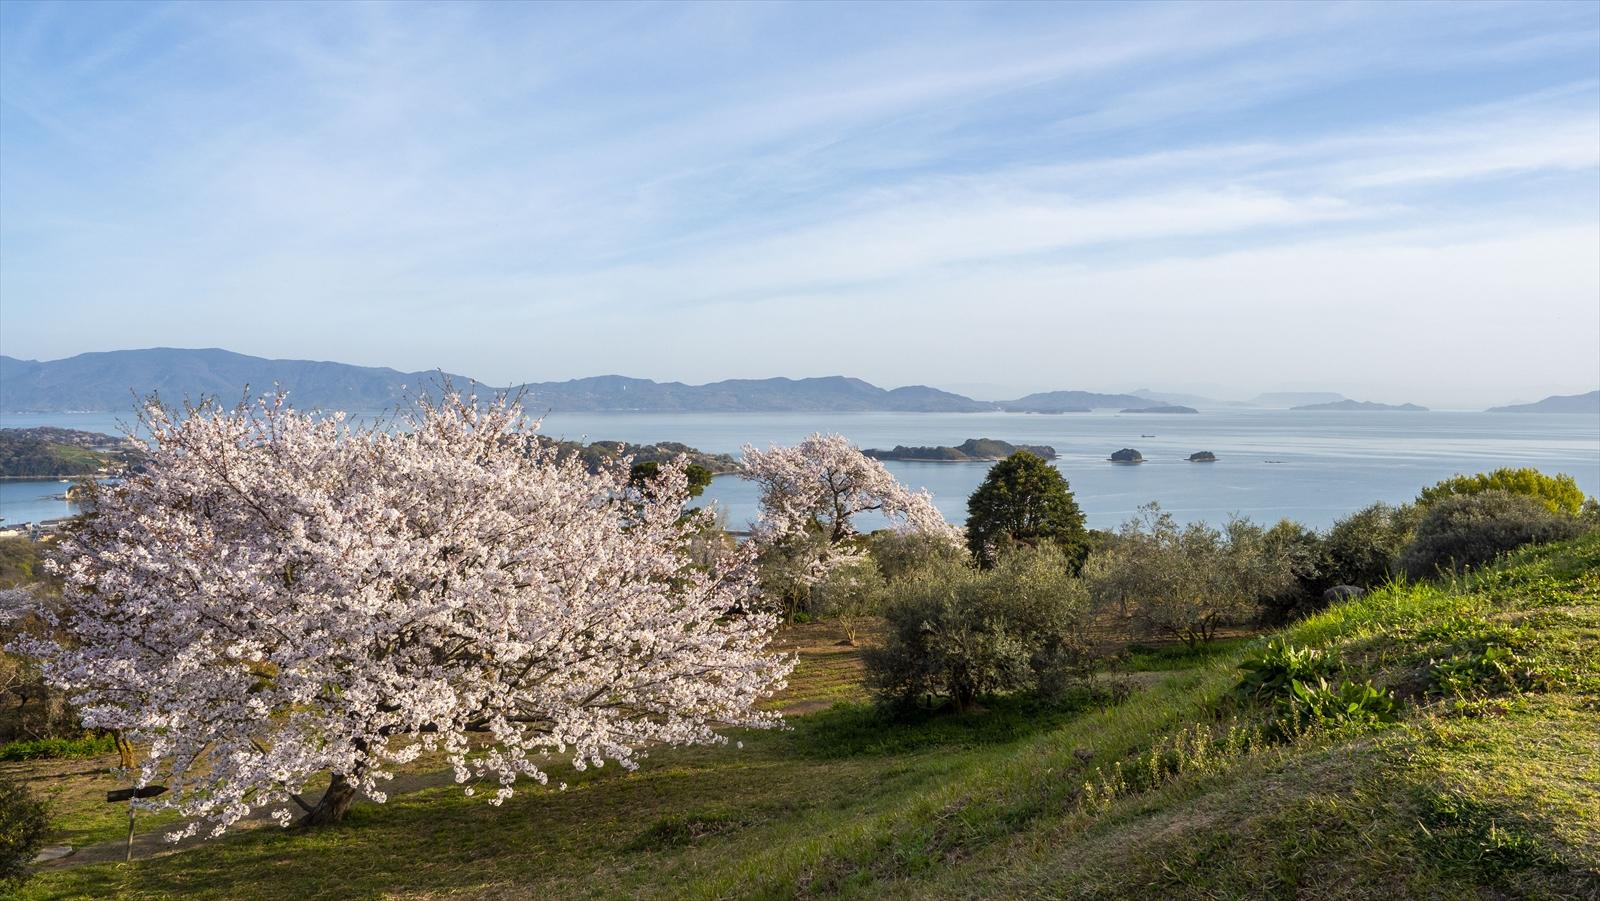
(1310,466)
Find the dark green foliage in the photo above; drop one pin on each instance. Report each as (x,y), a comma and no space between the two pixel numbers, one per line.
(1301,549)
(1467,530)
(1361,548)
(970,449)
(699,477)
(45,748)
(1025,501)
(961,633)
(1559,493)
(24,822)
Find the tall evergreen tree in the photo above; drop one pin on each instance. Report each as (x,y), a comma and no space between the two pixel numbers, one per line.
(1024,500)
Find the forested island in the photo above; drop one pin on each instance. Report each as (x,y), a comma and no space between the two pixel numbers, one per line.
(970,450)
(1162,408)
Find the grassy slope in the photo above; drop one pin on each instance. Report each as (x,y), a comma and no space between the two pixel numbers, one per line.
(1500,798)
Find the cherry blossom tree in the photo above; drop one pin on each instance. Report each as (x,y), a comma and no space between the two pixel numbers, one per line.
(811,492)
(280,595)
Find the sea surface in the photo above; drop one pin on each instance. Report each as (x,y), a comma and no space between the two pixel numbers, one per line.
(1309,466)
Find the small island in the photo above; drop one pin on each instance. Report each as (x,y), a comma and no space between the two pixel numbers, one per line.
(599,454)
(970,450)
(1202,457)
(1127,455)
(1162,408)
(1364,406)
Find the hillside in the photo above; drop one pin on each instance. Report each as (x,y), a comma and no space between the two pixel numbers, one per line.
(55,453)
(1556,403)
(1486,786)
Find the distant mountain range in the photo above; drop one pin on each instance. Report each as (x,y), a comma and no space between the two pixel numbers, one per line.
(1557,403)
(1363,406)
(101,382)
(110,381)
(1291,399)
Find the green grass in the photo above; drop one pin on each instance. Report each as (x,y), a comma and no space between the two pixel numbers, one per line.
(1486,787)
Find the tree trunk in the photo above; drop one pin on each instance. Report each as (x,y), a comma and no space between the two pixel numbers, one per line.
(334,805)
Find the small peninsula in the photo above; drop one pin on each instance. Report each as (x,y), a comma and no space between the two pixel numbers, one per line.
(970,450)
(1364,406)
(1127,455)
(1163,408)
(55,453)
(1556,403)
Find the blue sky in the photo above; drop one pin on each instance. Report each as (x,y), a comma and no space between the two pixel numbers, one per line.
(1396,201)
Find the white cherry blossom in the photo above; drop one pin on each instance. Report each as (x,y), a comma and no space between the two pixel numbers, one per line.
(280,595)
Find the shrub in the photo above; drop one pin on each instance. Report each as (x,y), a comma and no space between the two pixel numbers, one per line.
(1361,548)
(1462,531)
(1558,493)
(23,824)
(1302,551)
(850,593)
(959,633)
(1186,582)
(1025,501)
(904,554)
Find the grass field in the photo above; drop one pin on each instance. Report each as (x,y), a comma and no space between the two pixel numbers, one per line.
(1488,786)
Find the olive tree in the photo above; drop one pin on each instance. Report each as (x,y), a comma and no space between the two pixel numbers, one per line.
(1186,582)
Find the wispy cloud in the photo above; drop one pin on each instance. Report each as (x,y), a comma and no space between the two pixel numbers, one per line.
(505,189)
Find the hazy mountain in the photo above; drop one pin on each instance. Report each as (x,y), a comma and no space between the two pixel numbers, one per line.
(107,382)
(1178,398)
(1556,403)
(1071,401)
(830,393)
(1290,399)
(1363,406)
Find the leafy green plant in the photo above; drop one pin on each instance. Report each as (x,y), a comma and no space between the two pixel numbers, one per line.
(45,748)
(1321,703)
(1490,670)
(1270,673)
